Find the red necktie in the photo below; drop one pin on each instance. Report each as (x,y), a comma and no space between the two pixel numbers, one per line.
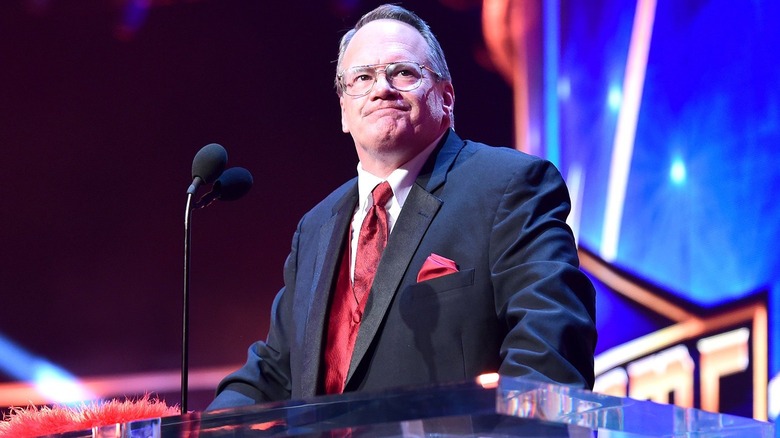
(348,303)
(371,243)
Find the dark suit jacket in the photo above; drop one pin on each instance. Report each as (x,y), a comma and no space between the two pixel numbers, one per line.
(519,305)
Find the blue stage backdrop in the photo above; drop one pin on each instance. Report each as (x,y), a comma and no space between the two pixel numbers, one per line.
(669,134)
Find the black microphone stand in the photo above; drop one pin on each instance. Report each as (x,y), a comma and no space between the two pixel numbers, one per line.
(208,165)
(186,313)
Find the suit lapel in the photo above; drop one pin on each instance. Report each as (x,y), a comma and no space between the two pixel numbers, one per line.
(434,173)
(333,234)
(416,216)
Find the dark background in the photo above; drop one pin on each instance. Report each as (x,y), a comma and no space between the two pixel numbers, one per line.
(98,127)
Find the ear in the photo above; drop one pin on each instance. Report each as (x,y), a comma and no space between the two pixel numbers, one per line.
(448,98)
(344,125)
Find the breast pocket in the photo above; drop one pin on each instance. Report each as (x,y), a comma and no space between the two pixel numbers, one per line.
(446,282)
(423,306)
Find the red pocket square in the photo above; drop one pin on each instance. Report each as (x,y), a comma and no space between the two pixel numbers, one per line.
(436,266)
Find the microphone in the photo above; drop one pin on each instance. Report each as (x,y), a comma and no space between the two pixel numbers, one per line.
(207,166)
(231,185)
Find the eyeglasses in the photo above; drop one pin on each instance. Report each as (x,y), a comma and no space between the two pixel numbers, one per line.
(402,76)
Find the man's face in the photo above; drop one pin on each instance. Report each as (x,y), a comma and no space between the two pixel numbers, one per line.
(387,124)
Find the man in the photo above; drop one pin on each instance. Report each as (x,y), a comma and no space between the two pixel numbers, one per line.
(479,272)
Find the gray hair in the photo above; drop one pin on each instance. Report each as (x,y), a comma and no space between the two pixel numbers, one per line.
(395,12)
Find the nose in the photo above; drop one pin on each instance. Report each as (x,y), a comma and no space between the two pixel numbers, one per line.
(382,86)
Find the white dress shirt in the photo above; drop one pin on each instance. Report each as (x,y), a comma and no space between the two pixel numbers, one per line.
(400,181)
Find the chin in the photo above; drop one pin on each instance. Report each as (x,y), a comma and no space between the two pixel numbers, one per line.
(395,128)
(391,139)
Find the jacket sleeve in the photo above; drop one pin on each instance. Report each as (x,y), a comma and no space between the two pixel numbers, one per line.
(545,302)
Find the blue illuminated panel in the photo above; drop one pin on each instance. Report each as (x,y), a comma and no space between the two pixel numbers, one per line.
(699,219)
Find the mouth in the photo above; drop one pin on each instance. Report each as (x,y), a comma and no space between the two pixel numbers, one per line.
(385,110)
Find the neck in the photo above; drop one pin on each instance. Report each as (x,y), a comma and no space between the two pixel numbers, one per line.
(381,162)
(382,165)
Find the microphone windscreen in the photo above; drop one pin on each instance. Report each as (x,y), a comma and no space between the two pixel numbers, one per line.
(209,162)
(233,184)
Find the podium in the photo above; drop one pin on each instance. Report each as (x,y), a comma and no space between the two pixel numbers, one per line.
(506,407)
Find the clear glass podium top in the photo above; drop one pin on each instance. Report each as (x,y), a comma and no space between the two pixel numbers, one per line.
(506,408)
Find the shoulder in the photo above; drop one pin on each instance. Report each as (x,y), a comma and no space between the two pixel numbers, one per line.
(500,162)
(499,154)
(342,197)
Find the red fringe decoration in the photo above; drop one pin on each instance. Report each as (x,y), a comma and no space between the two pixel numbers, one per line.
(34,421)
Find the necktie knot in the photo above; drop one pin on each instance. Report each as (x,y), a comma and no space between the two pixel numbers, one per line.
(381,194)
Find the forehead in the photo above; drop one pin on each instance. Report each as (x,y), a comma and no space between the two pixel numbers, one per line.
(382,41)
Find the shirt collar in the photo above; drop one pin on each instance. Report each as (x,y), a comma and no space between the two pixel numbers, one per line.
(400,180)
